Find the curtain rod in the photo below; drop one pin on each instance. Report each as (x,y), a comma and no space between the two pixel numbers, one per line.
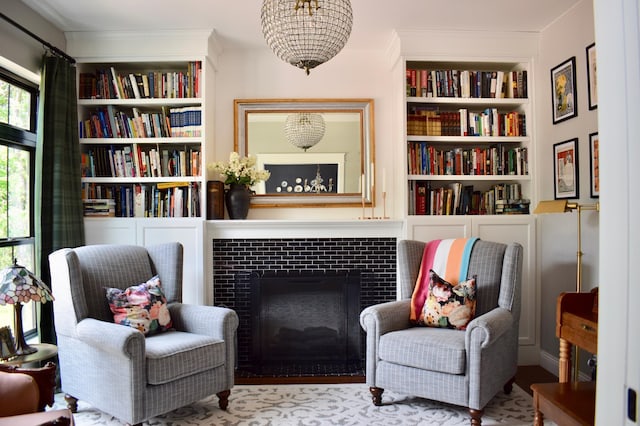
(34,36)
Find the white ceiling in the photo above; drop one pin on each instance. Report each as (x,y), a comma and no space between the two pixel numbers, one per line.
(237,22)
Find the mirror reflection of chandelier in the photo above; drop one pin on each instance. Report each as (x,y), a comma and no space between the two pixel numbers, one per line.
(306,33)
(304,129)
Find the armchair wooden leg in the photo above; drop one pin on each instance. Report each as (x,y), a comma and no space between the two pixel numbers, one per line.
(72,402)
(376,394)
(508,387)
(476,417)
(224,399)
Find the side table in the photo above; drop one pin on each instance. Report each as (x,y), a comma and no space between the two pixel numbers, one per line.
(567,404)
(45,376)
(44,352)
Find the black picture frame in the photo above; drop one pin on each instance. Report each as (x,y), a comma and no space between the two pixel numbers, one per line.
(564,96)
(565,170)
(592,76)
(594,164)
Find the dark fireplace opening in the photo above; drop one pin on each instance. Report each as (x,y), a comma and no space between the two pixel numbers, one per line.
(305,322)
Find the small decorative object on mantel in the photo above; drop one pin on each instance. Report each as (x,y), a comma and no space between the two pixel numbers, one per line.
(215,200)
(240,174)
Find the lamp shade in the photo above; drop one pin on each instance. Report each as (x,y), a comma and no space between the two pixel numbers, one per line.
(306,33)
(19,285)
(304,129)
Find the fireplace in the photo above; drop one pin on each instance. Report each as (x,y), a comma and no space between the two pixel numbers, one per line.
(305,323)
(235,257)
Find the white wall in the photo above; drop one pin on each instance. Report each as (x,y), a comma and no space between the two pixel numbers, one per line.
(618,35)
(259,74)
(18,47)
(568,36)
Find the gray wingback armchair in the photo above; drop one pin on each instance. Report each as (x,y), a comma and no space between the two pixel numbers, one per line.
(461,367)
(118,369)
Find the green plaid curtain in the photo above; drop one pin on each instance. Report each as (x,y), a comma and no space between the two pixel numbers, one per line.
(58,203)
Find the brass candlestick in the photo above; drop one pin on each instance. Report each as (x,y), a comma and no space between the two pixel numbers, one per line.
(384,205)
(372,203)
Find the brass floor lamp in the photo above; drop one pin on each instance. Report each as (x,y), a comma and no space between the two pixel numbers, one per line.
(563,206)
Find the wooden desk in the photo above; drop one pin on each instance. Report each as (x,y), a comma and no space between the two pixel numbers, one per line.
(566,402)
(576,324)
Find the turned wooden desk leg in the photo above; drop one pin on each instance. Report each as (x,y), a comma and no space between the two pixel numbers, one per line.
(564,364)
(538,419)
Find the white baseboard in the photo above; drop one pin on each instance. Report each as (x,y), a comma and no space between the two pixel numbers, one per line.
(550,363)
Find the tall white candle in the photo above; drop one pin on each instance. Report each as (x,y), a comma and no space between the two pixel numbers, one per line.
(384,180)
(373,174)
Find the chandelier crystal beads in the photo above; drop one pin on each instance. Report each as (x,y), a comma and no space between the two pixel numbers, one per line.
(304,129)
(306,33)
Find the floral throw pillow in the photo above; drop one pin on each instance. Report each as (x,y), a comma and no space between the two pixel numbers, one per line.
(142,306)
(448,305)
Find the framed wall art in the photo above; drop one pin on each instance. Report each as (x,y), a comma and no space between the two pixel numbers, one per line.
(594,156)
(7,345)
(592,77)
(564,97)
(565,169)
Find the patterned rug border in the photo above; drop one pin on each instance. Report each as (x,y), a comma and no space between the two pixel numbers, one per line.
(322,404)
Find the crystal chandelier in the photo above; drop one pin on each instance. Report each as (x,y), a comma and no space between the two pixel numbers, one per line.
(304,129)
(306,33)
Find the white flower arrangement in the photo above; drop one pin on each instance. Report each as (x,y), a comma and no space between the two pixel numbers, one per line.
(239,170)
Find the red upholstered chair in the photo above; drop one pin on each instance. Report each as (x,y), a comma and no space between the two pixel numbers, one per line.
(21,397)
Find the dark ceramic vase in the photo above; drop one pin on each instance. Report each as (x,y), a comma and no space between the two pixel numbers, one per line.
(237,199)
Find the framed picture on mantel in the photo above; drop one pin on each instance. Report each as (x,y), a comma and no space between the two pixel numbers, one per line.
(563,91)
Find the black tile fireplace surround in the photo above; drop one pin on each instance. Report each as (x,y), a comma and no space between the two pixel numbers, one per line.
(234,261)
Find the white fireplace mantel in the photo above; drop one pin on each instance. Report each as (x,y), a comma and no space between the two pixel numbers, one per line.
(372,228)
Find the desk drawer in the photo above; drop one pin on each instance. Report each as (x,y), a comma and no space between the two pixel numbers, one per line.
(580,331)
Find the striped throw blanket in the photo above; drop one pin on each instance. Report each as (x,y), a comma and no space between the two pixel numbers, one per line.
(449,259)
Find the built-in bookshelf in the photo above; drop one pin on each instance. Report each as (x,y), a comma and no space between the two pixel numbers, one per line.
(142,138)
(467,138)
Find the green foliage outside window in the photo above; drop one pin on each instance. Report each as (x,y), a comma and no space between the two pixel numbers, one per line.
(17,150)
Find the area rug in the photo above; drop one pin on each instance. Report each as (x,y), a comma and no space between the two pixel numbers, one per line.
(322,404)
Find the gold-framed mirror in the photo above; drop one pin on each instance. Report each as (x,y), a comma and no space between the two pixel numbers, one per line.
(320,152)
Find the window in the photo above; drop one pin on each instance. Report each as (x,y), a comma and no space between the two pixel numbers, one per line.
(18,102)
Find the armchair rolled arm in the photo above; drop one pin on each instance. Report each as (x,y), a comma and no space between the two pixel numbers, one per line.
(385,317)
(213,321)
(491,326)
(110,337)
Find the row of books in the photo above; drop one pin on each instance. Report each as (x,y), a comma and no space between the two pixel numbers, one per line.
(102,207)
(108,122)
(456,199)
(107,83)
(466,83)
(167,199)
(501,159)
(140,160)
(424,121)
